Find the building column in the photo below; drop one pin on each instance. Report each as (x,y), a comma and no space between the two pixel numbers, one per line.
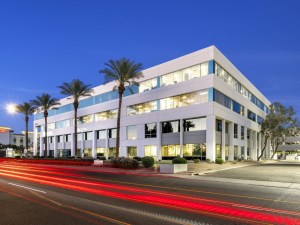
(82,145)
(223,137)
(158,134)
(245,142)
(94,147)
(239,136)
(41,145)
(250,144)
(72,145)
(211,137)
(35,141)
(259,144)
(231,146)
(55,146)
(254,150)
(181,138)
(106,144)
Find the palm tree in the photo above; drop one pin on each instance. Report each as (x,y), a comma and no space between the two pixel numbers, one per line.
(27,109)
(44,103)
(123,72)
(76,89)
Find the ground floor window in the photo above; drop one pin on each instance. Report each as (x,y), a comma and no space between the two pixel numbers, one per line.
(218,151)
(226,152)
(131,151)
(78,153)
(243,152)
(88,152)
(194,151)
(64,153)
(235,154)
(100,152)
(151,150)
(170,150)
(112,152)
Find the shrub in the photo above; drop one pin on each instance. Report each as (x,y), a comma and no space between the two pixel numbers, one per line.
(125,163)
(101,157)
(17,157)
(179,161)
(208,160)
(196,160)
(137,158)
(148,161)
(219,161)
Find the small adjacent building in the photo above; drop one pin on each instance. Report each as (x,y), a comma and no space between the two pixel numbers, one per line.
(196,106)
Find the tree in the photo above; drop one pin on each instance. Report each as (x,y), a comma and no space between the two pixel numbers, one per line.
(44,103)
(123,72)
(27,109)
(276,126)
(76,89)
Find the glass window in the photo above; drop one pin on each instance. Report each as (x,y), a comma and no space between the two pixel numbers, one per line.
(178,76)
(100,151)
(195,150)
(218,151)
(235,154)
(113,114)
(68,138)
(195,71)
(259,120)
(85,119)
(88,136)
(226,127)
(59,139)
(242,132)
(167,79)
(79,136)
(112,133)
(251,115)
(131,151)
(170,150)
(131,132)
(171,127)
(51,126)
(219,125)
(226,152)
(101,134)
(235,131)
(194,124)
(148,85)
(151,150)
(204,69)
(150,130)
(112,152)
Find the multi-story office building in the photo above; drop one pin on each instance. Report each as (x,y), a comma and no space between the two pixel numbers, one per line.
(196,106)
(8,137)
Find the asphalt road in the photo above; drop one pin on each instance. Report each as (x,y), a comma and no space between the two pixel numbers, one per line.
(41,194)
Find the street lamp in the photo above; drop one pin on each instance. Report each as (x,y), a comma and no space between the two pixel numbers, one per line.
(11,108)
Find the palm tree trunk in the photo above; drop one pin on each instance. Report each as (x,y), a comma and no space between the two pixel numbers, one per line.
(26,132)
(46,138)
(119,124)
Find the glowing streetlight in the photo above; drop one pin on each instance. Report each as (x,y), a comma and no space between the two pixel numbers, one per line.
(11,108)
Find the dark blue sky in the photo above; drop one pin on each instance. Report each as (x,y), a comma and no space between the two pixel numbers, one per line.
(45,43)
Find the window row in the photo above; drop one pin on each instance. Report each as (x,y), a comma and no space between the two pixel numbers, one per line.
(187,99)
(185,74)
(231,81)
(224,100)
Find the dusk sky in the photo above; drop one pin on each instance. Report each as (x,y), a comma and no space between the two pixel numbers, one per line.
(45,43)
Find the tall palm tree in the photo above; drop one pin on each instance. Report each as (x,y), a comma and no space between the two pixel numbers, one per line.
(123,72)
(27,109)
(43,103)
(76,89)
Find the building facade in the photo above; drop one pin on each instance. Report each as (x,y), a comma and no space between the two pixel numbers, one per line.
(196,106)
(8,137)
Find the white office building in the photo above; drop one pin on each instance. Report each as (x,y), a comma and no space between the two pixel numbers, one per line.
(196,106)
